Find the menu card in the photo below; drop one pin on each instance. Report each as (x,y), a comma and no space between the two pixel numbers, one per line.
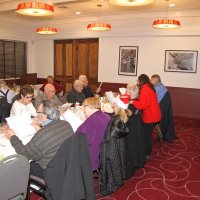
(110,97)
(72,118)
(21,125)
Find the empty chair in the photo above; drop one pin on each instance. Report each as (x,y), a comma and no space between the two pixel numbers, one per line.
(14,175)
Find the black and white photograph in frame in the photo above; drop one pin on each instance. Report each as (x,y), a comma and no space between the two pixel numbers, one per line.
(181,61)
(128,60)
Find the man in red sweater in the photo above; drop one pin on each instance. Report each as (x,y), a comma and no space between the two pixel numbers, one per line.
(58,87)
(148,104)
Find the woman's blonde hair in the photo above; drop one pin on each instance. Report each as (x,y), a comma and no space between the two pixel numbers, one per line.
(92,102)
(123,114)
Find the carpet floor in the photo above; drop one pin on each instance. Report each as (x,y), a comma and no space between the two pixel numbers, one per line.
(172,173)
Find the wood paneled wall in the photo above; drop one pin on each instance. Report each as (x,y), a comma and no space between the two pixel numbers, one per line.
(75,57)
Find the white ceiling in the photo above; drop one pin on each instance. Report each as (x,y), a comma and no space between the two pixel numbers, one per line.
(65,9)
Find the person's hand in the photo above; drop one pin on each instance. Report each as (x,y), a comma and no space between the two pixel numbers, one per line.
(96,95)
(98,90)
(36,125)
(9,133)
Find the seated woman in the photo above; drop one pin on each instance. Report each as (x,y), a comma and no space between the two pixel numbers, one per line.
(24,104)
(94,128)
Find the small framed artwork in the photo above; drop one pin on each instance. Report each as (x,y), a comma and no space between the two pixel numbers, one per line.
(128,60)
(181,61)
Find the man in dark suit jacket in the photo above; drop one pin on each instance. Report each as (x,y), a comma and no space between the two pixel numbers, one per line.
(86,89)
(76,95)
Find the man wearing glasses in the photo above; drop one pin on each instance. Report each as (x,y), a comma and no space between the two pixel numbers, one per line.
(49,93)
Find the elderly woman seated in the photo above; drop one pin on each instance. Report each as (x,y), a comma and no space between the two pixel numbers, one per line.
(132,90)
(94,128)
(76,95)
(24,104)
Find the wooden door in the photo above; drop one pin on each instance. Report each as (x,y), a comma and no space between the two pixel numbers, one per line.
(75,57)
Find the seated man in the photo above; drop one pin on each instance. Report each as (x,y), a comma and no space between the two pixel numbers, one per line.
(161,90)
(76,95)
(46,142)
(6,92)
(164,99)
(86,89)
(49,93)
(58,87)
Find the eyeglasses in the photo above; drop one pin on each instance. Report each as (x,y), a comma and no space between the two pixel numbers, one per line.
(29,97)
(40,112)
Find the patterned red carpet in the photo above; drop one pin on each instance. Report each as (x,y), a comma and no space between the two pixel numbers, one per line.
(172,173)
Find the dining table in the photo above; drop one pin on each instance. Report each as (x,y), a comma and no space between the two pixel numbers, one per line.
(6,148)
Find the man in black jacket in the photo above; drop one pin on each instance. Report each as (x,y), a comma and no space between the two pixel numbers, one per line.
(86,89)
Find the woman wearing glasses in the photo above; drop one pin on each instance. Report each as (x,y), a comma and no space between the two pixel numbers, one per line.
(24,104)
(94,128)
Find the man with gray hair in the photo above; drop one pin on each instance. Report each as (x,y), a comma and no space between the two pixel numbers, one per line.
(48,139)
(86,89)
(76,95)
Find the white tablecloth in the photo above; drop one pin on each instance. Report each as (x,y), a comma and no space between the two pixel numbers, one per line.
(6,148)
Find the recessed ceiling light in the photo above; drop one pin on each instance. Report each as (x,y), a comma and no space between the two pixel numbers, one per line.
(172,5)
(77,12)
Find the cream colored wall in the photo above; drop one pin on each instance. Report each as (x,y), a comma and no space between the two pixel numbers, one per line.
(151,58)
(131,30)
(10,30)
(44,57)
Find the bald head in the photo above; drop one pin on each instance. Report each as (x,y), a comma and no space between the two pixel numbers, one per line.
(49,90)
(84,79)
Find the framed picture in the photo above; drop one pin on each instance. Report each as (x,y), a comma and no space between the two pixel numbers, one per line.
(128,60)
(181,61)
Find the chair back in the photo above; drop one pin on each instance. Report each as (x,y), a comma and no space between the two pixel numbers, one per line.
(4,109)
(14,175)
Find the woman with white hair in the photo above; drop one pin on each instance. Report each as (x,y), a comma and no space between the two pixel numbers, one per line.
(132,90)
(76,95)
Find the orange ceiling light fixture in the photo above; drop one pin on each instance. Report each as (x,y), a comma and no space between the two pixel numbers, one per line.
(131,2)
(46,30)
(166,24)
(99,27)
(35,9)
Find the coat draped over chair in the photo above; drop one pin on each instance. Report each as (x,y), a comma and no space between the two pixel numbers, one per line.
(134,145)
(69,174)
(167,121)
(112,157)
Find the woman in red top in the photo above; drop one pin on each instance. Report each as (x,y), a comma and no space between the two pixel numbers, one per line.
(151,114)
